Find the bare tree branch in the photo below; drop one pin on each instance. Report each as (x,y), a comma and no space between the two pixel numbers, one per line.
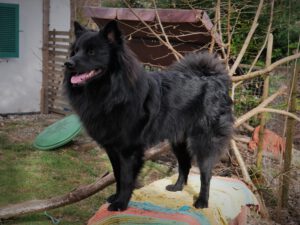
(214,29)
(248,39)
(163,31)
(247,179)
(267,69)
(170,47)
(253,112)
(266,39)
(278,111)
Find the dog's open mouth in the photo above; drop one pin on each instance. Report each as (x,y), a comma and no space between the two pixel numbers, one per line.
(84,77)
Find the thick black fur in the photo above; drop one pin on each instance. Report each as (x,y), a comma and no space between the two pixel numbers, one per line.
(126,109)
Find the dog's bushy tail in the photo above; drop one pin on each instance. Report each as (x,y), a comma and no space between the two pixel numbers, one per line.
(201,64)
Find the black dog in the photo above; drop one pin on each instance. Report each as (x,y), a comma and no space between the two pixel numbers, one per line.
(126,109)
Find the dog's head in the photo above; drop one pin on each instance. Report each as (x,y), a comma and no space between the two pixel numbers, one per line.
(91,53)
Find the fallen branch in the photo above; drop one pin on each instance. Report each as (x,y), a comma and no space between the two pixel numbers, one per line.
(267,69)
(278,111)
(253,112)
(247,179)
(75,195)
(241,163)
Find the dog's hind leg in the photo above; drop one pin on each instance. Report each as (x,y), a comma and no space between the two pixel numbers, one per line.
(202,147)
(131,161)
(207,149)
(184,165)
(205,165)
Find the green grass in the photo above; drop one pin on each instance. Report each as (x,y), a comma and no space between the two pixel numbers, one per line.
(27,174)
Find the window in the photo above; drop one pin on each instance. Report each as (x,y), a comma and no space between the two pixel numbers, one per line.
(9,30)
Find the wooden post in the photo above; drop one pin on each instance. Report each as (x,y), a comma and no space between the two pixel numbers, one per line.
(263,115)
(73,8)
(290,133)
(45,52)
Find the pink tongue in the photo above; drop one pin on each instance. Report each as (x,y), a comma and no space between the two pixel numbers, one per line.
(79,78)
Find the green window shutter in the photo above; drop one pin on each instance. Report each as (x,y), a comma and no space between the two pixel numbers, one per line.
(9,30)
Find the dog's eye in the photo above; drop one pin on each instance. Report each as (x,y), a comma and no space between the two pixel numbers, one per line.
(91,52)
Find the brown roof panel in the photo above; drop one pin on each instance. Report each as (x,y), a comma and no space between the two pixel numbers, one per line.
(188,30)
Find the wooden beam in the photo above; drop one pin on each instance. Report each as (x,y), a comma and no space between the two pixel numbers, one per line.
(263,115)
(44,95)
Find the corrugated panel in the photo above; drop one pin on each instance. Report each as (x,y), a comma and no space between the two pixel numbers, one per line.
(9,30)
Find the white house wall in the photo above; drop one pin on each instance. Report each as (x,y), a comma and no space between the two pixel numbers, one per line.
(60,15)
(21,78)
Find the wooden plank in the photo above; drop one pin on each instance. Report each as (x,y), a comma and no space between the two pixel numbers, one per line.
(55,66)
(58,53)
(54,86)
(59,46)
(52,90)
(62,103)
(55,81)
(46,18)
(55,39)
(56,59)
(73,9)
(59,111)
(56,110)
(59,100)
(55,70)
(56,76)
(58,32)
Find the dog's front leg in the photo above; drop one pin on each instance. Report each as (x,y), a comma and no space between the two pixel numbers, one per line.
(131,161)
(115,162)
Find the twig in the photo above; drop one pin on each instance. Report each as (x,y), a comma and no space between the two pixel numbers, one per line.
(248,39)
(170,47)
(241,162)
(266,39)
(267,69)
(234,86)
(163,30)
(214,29)
(253,112)
(228,32)
(220,29)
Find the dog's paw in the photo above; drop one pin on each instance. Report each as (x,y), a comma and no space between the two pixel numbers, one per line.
(174,187)
(112,198)
(117,206)
(201,204)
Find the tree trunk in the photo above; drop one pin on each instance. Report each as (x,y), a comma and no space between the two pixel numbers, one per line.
(290,132)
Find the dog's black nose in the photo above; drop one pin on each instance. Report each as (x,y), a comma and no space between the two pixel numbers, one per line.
(70,64)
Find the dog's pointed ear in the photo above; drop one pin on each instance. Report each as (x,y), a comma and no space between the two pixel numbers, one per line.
(112,32)
(78,29)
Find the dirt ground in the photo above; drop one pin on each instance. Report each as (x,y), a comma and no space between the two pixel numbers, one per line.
(229,167)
